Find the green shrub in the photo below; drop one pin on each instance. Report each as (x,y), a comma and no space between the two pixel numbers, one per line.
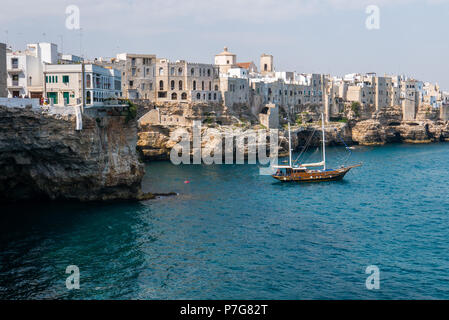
(355,107)
(132,111)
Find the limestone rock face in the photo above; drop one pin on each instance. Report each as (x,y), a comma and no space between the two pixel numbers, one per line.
(373,132)
(42,156)
(369,132)
(335,134)
(370,127)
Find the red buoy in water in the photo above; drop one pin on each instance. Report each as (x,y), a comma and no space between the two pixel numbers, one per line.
(187,181)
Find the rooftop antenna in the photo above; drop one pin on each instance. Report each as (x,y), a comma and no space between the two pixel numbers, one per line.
(81,42)
(62,43)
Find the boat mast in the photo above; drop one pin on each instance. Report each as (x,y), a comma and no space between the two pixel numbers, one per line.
(289,146)
(324,141)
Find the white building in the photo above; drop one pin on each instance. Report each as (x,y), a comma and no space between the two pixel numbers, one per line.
(70,58)
(25,69)
(64,84)
(238,73)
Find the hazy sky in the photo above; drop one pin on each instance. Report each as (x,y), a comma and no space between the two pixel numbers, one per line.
(322,36)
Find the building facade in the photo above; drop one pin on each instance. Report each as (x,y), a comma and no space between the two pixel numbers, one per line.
(25,69)
(182,81)
(225,60)
(3,74)
(64,84)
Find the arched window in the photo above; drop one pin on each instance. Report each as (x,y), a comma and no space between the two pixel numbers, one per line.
(180,72)
(161,71)
(194,85)
(88,98)
(192,71)
(208,72)
(184,96)
(202,85)
(198,96)
(161,85)
(174,96)
(215,96)
(180,85)
(172,85)
(216,88)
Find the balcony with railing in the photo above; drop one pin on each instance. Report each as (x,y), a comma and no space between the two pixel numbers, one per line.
(15,68)
(15,85)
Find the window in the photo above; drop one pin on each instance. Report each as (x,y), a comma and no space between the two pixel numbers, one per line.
(192,72)
(198,96)
(210,86)
(180,85)
(180,72)
(208,72)
(172,85)
(65,79)
(216,88)
(88,81)
(172,71)
(194,85)
(161,71)
(15,63)
(161,85)
(184,96)
(174,96)
(202,85)
(215,96)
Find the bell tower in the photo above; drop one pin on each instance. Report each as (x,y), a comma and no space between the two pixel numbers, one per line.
(266,64)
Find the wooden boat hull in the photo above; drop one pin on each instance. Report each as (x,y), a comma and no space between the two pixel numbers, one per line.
(315,175)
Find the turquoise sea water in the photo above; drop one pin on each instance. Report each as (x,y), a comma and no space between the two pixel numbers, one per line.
(233,234)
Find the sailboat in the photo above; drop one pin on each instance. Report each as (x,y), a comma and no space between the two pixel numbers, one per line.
(303,172)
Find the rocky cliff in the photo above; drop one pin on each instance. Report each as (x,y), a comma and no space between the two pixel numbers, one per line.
(387,126)
(42,156)
(364,127)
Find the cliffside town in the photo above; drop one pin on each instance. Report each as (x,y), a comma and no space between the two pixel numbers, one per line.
(364,109)
(42,150)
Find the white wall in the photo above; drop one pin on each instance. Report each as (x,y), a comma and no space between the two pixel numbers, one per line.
(19,103)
